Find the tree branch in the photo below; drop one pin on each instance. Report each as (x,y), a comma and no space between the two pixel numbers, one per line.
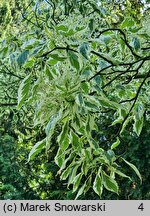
(135,99)
(9,72)
(130,64)
(29,20)
(104,86)
(103,57)
(124,39)
(8,104)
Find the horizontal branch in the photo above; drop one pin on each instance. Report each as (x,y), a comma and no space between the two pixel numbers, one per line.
(103,57)
(145,48)
(127,100)
(8,104)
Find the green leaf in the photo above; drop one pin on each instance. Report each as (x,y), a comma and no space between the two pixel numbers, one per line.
(86,73)
(93,143)
(84,48)
(48,32)
(23,57)
(79,99)
(70,33)
(122,115)
(126,123)
(23,90)
(92,103)
(98,80)
(76,182)
(62,28)
(109,183)
(74,60)
(52,62)
(117,121)
(103,64)
(134,168)
(36,149)
(139,110)
(63,138)
(48,72)
(3,52)
(60,157)
(110,156)
(91,24)
(65,143)
(37,51)
(30,63)
(90,124)
(66,173)
(85,87)
(85,166)
(52,122)
(122,174)
(57,57)
(81,191)
(75,141)
(128,22)
(108,103)
(136,43)
(49,130)
(88,154)
(91,106)
(73,173)
(138,125)
(115,144)
(97,185)
(69,158)
(138,118)
(69,170)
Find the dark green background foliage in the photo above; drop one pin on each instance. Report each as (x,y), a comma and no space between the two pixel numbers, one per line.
(22,180)
(19,180)
(74,99)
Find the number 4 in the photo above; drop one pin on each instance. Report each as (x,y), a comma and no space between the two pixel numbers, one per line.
(141,207)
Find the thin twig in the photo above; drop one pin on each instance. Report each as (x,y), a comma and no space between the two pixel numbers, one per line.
(8,104)
(135,100)
(9,72)
(124,39)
